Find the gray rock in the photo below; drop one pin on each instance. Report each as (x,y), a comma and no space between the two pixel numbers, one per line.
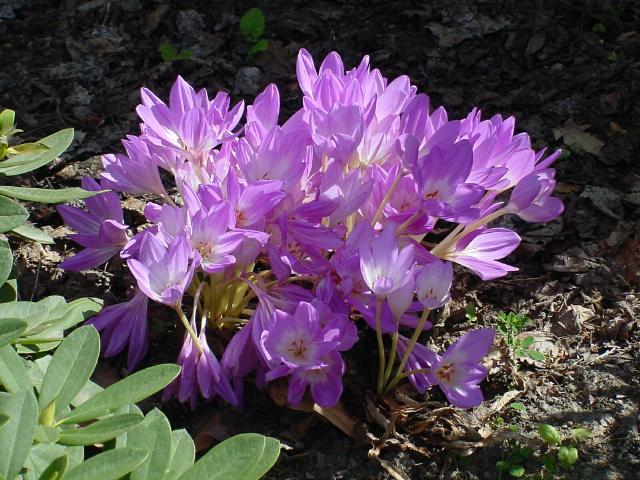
(248,81)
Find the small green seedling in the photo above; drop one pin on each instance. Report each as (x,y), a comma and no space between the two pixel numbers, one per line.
(512,464)
(471,312)
(565,449)
(251,29)
(169,53)
(509,326)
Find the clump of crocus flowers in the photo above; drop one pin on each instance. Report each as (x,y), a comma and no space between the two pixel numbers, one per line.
(285,237)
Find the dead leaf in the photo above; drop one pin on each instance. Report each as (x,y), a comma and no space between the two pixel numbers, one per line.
(576,137)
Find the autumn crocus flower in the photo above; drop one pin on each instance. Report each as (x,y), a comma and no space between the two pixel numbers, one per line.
(101,229)
(163,274)
(457,372)
(124,324)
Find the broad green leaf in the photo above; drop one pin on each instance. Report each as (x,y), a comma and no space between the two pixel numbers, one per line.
(518,406)
(46,434)
(527,341)
(46,195)
(9,291)
(131,389)
(25,162)
(122,439)
(7,122)
(252,24)
(10,329)
(549,434)
(183,454)
(70,368)
(580,434)
(28,311)
(3,419)
(32,233)
(99,431)
(536,355)
(516,471)
(56,469)
(247,456)
(154,434)
(6,261)
(13,374)
(88,390)
(16,435)
(109,465)
(12,214)
(260,46)
(41,456)
(567,455)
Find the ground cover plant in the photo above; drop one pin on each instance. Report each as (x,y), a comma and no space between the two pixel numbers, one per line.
(280,237)
(53,418)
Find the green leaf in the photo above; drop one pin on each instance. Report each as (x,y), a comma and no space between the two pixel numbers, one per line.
(16,435)
(32,233)
(518,406)
(516,471)
(28,311)
(109,465)
(536,355)
(169,53)
(549,434)
(252,24)
(154,434)
(3,419)
(580,434)
(527,342)
(260,46)
(12,214)
(567,455)
(132,389)
(502,465)
(10,329)
(25,162)
(247,456)
(100,431)
(7,122)
(46,434)
(6,261)
(9,291)
(183,454)
(41,456)
(55,469)
(13,374)
(70,368)
(47,195)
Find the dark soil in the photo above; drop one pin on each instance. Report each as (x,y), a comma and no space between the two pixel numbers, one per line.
(569,71)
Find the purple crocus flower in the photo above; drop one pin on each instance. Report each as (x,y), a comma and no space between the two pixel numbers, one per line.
(163,274)
(101,229)
(297,345)
(480,250)
(124,324)
(209,237)
(433,283)
(457,372)
(139,159)
(531,198)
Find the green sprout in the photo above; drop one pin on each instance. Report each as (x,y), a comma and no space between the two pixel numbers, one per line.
(169,53)
(251,29)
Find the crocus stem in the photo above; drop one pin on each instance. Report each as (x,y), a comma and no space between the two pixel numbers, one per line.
(414,372)
(409,349)
(442,248)
(188,327)
(386,198)
(392,356)
(407,222)
(381,358)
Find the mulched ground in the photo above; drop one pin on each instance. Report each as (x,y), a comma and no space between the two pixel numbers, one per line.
(569,71)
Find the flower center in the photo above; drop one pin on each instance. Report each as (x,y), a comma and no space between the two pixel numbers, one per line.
(431,195)
(205,249)
(297,348)
(445,372)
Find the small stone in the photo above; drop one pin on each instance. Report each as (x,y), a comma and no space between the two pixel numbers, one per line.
(248,81)
(7,13)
